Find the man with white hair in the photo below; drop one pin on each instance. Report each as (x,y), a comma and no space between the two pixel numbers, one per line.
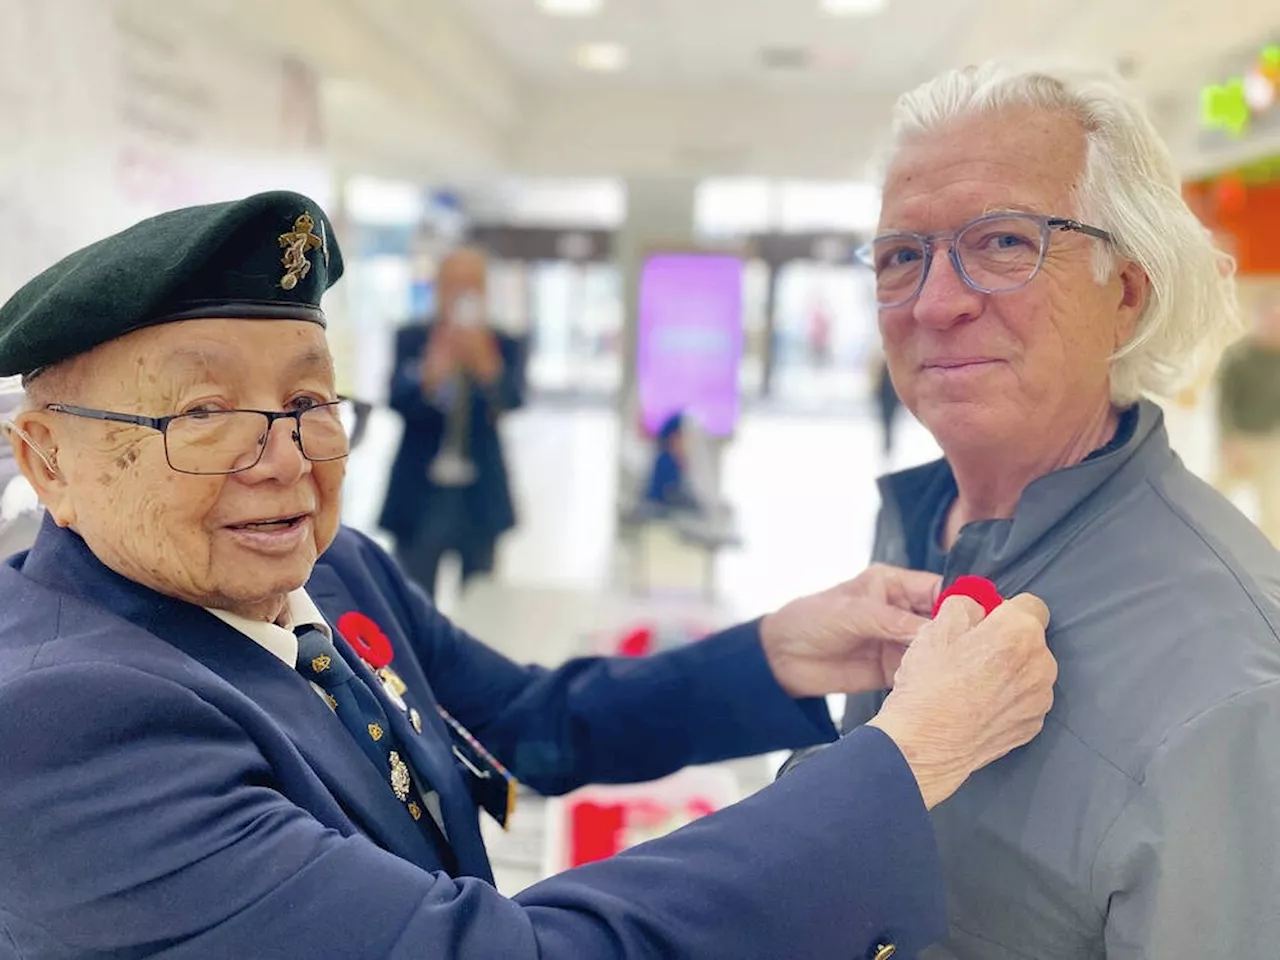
(1038,275)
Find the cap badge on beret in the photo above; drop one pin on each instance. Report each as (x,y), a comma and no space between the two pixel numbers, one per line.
(296,247)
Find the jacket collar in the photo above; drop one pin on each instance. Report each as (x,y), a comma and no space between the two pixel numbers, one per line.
(1051,508)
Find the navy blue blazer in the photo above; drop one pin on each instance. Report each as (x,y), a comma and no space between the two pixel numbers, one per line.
(168,788)
(489,502)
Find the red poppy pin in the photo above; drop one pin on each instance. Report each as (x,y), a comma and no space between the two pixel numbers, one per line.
(367,638)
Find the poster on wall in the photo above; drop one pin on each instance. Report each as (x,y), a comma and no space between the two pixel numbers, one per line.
(690,339)
(56,138)
(114,112)
(202,122)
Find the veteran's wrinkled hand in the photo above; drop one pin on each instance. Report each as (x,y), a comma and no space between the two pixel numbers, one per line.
(850,638)
(969,690)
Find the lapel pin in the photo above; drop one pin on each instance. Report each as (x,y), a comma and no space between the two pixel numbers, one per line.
(400,779)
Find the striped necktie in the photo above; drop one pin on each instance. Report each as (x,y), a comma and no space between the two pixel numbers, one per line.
(361,713)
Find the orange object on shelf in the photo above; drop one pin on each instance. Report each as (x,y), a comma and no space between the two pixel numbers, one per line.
(1243,208)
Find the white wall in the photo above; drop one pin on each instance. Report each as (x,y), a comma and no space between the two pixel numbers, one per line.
(107,117)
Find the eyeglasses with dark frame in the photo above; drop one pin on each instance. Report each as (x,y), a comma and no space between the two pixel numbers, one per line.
(994,253)
(223,442)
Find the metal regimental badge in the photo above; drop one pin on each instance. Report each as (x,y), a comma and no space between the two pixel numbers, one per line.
(393,687)
(296,247)
(400,781)
(392,679)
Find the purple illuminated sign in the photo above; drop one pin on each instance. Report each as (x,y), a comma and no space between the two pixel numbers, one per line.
(690,339)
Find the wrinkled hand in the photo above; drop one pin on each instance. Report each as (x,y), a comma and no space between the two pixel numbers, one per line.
(850,638)
(970,690)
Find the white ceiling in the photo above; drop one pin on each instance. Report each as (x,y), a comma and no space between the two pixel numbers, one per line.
(470,89)
(677,44)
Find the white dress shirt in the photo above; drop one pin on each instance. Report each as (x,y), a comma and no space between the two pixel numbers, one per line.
(278,639)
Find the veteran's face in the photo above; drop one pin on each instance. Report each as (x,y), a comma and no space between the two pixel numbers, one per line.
(238,542)
(1021,367)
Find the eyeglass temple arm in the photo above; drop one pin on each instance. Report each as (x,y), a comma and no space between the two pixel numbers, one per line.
(155,423)
(1075,226)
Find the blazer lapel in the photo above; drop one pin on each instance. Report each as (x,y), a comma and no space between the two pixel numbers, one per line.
(64,562)
(362,790)
(430,752)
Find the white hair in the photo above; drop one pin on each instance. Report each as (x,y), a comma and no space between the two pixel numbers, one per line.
(1130,188)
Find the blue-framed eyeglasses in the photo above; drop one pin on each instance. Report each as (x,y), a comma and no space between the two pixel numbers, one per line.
(993,253)
(220,442)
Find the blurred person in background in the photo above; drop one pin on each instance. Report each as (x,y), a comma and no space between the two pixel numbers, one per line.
(820,332)
(1037,274)
(888,404)
(205,748)
(453,378)
(668,487)
(1249,416)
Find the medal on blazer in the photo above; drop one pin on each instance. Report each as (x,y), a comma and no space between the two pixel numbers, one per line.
(401,780)
(393,687)
(492,786)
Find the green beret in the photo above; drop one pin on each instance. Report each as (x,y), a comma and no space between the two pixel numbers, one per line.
(268,257)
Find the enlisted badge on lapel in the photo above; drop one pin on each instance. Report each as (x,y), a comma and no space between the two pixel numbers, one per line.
(297,244)
(394,688)
(492,786)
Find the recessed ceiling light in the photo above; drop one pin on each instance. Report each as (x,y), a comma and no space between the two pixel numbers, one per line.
(569,8)
(784,58)
(602,57)
(853,8)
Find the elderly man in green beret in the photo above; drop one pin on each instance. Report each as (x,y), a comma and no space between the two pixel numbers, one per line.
(231,728)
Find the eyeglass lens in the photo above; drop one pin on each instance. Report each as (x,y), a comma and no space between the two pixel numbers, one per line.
(226,441)
(996,254)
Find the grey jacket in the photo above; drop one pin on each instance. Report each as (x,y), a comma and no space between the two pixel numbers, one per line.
(1145,820)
